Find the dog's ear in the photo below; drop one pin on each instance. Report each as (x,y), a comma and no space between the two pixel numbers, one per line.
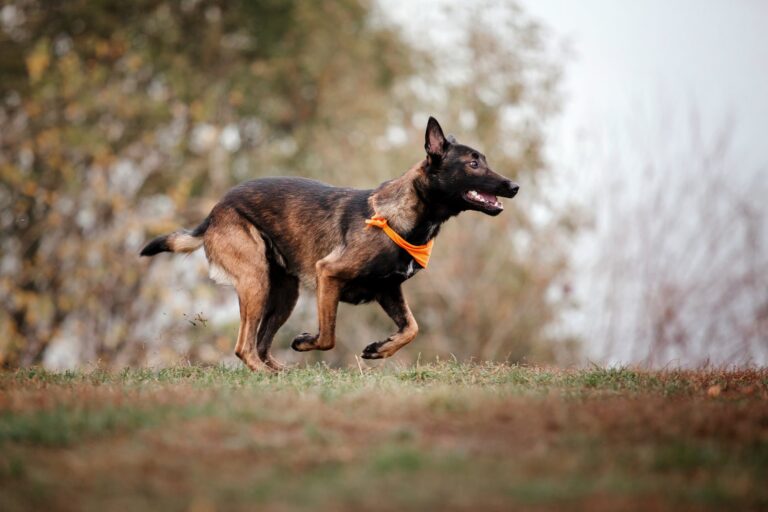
(435,142)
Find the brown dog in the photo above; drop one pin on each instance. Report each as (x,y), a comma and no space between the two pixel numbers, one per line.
(267,236)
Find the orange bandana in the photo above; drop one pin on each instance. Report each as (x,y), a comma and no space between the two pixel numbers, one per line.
(420,253)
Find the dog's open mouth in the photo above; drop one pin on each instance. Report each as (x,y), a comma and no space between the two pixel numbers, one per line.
(487,202)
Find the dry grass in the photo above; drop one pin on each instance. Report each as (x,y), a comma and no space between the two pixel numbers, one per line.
(445,436)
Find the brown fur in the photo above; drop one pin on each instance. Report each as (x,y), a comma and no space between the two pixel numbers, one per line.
(265,237)
(397,200)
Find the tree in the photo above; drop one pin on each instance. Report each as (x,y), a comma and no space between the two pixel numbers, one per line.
(679,253)
(120,120)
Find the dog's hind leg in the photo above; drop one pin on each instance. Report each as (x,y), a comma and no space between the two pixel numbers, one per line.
(283,293)
(393,302)
(237,252)
(246,336)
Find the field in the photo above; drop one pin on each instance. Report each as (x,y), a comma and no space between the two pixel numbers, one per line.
(443,436)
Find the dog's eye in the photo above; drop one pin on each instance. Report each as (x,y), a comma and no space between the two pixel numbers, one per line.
(473,164)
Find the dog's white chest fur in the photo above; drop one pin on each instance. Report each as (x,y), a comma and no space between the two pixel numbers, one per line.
(412,269)
(219,275)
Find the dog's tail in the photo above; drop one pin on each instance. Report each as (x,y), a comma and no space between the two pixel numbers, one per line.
(178,241)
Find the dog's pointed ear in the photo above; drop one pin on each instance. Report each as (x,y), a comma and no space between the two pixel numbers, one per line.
(435,142)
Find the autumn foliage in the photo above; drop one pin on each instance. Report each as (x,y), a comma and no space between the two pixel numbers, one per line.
(122,120)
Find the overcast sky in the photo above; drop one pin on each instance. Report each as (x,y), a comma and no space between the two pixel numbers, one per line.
(709,53)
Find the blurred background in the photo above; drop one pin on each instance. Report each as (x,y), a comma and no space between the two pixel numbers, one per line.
(634,128)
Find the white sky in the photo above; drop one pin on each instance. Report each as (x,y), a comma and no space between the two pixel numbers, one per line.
(711,54)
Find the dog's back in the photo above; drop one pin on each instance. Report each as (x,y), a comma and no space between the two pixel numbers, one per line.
(301,220)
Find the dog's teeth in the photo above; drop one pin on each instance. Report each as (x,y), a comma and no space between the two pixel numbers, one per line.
(475,196)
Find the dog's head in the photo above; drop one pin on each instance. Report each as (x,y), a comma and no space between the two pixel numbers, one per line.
(460,175)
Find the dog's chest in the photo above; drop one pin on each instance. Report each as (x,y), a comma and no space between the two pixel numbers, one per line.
(405,268)
(365,288)
(411,269)
(400,271)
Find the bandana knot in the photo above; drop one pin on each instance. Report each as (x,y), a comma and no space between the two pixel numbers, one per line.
(420,253)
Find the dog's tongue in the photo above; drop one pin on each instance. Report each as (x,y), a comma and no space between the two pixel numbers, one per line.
(488,197)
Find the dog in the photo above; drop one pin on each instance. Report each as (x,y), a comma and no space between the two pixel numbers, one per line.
(266,237)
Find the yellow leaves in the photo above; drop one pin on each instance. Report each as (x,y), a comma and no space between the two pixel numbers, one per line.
(71,75)
(32,108)
(197,110)
(30,188)
(49,147)
(116,331)
(65,302)
(40,309)
(181,192)
(236,98)
(10,174)
(21,299)
(69,64)
(134,62)
(55,219)
(48,140)
(74,113)
(103,157)
(11,340)
(162,226)
(68,172)
(260,69)
(110,48)
(38,61)
(119,203)
(102,48)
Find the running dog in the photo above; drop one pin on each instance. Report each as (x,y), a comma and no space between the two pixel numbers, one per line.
(268,236)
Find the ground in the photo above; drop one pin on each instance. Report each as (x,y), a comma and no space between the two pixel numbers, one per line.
(443,436)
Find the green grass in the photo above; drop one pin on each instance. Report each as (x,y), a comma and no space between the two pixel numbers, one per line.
(512,378)
(436,436)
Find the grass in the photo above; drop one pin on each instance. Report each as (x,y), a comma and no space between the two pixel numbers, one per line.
(438,436)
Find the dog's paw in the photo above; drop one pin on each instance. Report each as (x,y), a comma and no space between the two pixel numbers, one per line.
(376,350)
(304,342)
(275,365)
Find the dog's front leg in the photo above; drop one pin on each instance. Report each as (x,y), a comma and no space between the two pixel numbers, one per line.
(393,302)
(329,283)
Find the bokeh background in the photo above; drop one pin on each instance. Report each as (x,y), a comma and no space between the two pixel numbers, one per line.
(635,131)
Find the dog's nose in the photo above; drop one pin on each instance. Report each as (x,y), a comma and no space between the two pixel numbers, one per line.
(513,188)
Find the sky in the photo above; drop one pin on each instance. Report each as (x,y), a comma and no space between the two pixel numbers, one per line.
(707,54)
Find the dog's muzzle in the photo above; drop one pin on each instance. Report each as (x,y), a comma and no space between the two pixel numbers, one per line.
(508,189)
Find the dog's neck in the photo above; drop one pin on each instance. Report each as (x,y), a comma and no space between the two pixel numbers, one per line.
(400,202)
